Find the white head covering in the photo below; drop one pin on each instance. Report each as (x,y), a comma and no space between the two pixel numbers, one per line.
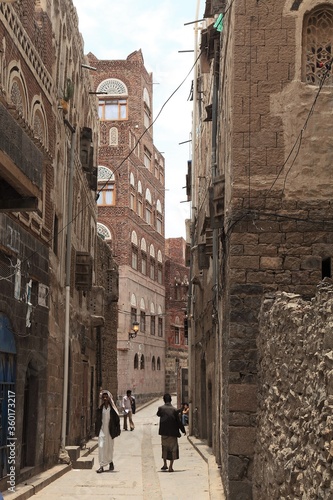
(112,403)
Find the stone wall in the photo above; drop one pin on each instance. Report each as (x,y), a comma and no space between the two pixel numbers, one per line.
(294,448)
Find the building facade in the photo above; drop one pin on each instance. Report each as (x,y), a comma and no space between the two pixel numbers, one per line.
(261,199)
(131,218)
(176,304)
(52,321)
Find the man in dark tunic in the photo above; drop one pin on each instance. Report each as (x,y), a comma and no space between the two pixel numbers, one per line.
(170,425)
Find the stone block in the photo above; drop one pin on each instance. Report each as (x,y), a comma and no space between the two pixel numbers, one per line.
(242,398)
(83,463)
(237,468)
(240,490)
(73,452)
(245,262)
(241,441)
(270,263)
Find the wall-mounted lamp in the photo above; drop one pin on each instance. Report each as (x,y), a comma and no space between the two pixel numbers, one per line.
(133,333)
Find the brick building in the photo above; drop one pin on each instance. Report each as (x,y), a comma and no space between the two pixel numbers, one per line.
(131,217)
(53,289)
(261,199)
(176,303)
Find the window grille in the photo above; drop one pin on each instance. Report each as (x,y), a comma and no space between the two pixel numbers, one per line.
(317,46)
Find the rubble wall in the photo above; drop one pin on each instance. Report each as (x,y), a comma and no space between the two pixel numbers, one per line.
(294,447)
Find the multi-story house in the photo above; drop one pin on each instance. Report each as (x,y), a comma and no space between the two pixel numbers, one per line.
(176,304)
(54,278)
(261,199)
(131,218)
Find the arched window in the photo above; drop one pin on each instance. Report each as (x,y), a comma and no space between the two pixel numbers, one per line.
(143,256)
(152,262)
(142,316)
(39,122)
(159,217)
(132,192)
(158,363)
(106,187)
(159,267)
(136,362)
(153,363)
(142,362)
(103,232)
(18,92)
(160,321)
(146,106)
(134,241)
(113,136)
(140,203)
(113,106)
(152,319)
(318,45)
(148,207)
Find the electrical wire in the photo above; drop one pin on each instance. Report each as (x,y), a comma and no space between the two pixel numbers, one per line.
(117,168)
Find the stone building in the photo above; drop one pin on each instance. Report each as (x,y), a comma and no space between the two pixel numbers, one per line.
(131,218)
(176,303)
(261,203)
(51,304)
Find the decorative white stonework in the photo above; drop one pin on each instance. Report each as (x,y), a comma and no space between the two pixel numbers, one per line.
(113,136)
(113,86)
(105,174)
(103,231)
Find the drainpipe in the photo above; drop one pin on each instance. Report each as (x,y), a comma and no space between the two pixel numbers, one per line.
(68,284)
(192,235)
(216,322)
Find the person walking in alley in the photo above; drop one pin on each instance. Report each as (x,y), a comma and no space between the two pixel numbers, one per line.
(129,409)
(107,429)
(170,425)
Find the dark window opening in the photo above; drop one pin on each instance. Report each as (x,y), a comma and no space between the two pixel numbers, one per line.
(326,268)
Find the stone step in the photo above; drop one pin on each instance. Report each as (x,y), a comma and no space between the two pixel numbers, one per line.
(83,463)
(73,452)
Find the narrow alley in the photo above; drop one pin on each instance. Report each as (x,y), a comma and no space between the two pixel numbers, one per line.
(137,474)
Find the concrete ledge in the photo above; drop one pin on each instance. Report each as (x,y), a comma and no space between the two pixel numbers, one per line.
(36,483)
(215,481)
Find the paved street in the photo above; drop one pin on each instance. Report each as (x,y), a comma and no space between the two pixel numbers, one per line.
(137,474)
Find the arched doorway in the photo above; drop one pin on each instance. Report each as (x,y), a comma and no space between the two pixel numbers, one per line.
(30,417)
(7,386)
(203,401)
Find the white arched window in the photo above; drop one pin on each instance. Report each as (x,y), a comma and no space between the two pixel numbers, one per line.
(142,315)
(112,106)
(103,231)
(146,107)
(148,212)
(152,319)
(160,321)
(134,241)
(143,256)
(106,186)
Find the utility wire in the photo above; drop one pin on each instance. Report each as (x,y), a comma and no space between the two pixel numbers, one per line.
(121,163)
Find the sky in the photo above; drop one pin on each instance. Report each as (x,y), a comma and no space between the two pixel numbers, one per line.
(113,30)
